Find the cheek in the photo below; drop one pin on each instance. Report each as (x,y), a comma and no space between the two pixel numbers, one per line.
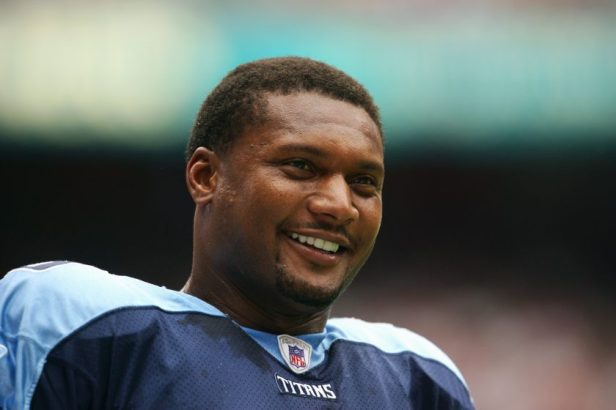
(262,209)
(276,197)
(371,215)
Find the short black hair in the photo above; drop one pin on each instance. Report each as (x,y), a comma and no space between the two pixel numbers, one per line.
(239,100)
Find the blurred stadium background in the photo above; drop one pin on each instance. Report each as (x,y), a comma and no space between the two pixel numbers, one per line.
(500,202)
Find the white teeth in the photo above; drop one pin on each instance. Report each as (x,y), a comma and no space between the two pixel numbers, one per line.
(316,242)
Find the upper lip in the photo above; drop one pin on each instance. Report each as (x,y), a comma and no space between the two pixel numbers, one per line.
(341,240)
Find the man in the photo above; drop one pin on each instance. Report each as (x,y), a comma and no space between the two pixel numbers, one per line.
(285,166)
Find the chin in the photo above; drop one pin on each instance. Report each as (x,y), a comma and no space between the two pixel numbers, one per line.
(300,291)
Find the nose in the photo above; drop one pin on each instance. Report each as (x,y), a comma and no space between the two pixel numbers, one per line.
(333,201)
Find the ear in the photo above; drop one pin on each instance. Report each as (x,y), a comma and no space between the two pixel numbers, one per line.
(202,175)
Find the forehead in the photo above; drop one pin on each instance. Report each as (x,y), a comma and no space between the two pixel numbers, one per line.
(310,116)
(301,110)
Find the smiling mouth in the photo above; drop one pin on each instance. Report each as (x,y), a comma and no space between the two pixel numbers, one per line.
(317,243)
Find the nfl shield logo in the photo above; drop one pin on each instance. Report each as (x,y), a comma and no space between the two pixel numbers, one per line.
(296,357)
(295,352)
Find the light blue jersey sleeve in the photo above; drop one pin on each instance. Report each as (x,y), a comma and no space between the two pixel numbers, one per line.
(42,304)
(390,339)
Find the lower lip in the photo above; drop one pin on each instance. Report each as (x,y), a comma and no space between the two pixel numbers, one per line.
(314,255)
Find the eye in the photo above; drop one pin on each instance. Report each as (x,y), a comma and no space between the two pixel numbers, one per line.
(299,164)
(298,168)
(364,180)
(365,184)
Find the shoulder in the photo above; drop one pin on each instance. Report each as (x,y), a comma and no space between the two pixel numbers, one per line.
(82,290)
(57,281)
(391,339)
(52,298)
(424,354)
(61,296)
(43,304)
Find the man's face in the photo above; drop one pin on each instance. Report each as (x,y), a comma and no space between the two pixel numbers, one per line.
(297,206)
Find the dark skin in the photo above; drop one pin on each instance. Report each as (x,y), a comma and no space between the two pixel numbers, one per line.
(286,217)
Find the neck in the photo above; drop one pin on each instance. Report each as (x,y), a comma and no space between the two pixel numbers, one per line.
(259,314)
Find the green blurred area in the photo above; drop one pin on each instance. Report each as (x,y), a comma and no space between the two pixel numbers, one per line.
(129,74)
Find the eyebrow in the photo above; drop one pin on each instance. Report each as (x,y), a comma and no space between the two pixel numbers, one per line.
(298,147)
(366,165)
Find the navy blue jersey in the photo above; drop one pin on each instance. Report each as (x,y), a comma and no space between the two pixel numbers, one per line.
(73,336)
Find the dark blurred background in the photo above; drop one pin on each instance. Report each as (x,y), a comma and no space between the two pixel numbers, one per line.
(500,199)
